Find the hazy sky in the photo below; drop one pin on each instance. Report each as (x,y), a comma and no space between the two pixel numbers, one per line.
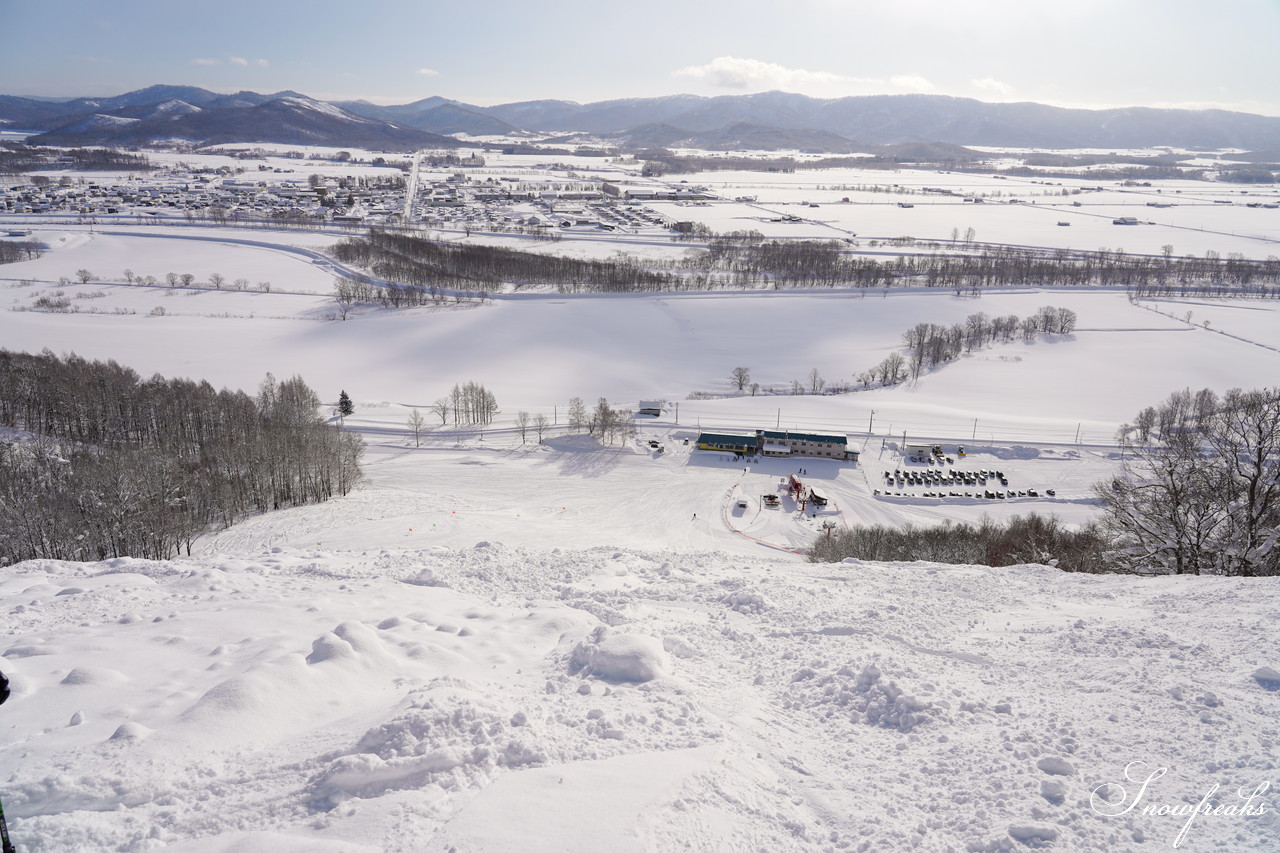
(1089,53)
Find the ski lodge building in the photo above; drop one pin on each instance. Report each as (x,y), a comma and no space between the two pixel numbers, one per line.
(780,444)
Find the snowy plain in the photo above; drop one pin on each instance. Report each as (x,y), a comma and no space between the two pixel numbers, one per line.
(506,645)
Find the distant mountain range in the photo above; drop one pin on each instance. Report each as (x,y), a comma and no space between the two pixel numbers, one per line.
(768,120)
(165,114)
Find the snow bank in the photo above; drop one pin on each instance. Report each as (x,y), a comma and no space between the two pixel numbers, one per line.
(622,657)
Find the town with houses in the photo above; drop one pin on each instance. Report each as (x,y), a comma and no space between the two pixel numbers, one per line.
(530,198)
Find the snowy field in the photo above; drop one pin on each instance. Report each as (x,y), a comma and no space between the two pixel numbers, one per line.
(1018,210)
(500,645)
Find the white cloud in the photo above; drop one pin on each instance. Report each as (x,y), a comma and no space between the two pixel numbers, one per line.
(199,61)
(990,84)
(912,83)
(238,60)
(261,63)
(428,72)
(732,72)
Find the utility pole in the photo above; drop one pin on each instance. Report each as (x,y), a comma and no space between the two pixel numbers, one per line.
(779,424)
(870,421)
(677,413)
(975,429)
(1078,432)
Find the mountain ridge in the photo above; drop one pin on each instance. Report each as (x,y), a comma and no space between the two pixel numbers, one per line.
(775,117)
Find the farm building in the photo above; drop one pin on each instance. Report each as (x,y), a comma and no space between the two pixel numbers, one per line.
(649,407)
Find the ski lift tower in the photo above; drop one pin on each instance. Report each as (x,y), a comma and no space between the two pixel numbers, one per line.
(411,188)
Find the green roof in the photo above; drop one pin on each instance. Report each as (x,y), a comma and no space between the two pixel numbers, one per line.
(726,439)
(806,436)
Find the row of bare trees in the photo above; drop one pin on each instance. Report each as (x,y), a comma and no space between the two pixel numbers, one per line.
(348,292)
(1021,539)
(746,259)
(930,344)
(12,251)
(412,260)
(107,464)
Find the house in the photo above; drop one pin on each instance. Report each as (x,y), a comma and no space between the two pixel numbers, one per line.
(1125,220)
(787,443)
(652,408)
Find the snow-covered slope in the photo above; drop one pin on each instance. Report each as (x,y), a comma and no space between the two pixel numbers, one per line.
(506,645)
(498,698)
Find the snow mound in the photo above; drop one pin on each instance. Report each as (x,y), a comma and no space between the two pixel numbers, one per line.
(1055,766)
(1032,835)
(448,738)
(746,600)
(622,657)
(864,696)
(350,641)
(130,731)
(1268,677)
(87,675)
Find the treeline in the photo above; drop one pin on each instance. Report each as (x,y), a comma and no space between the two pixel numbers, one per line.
(662,161)
(413,260)
(16,158)
(116,465)
(745,260)
(1030,539)
(347,292)
(604,421)
(747,257)
(12,251)
(469,403)
(929,344)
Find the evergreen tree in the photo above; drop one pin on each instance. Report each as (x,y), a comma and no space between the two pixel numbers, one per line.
(345,406)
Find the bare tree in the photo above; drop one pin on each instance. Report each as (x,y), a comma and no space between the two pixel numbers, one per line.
(1199,490)
(84,275)
(522,425)
(577,414)
(441,408)
(816,382)
(217,280)
(740,377)
(893,369)
(416,423)
(541,423)
(603,420)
